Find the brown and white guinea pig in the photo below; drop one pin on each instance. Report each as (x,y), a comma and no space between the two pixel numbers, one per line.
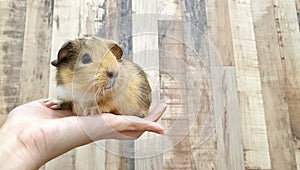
(91,74)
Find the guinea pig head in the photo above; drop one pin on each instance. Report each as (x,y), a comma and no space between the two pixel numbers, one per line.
(88,65)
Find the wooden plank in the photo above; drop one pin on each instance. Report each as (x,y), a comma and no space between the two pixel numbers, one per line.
(114,157)
(227,118)
(118,28)
(89,156)
(2,120)
(65,161)
(34,80)
(66,26)
(254,132)
(273,90)
(199,88)
(171,44)
(219,30)
(289,37)
(145,53)
(297,151)
(297,5)
(12,21)
(36,51)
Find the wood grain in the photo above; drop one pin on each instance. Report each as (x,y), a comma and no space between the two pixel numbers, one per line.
(36,51)
(115,155)
(273,89)
(66,26)
(145,53)
(254,130)
(219,30)
(172,57)
(12,21)
(227,119)
(2,119)
(241,94)
(289,37)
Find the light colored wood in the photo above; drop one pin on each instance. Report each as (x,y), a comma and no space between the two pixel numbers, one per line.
(227,119)
(115,155)
(199,88)
(289,37)
(173,68)
(2,119)
(273,90)
(254,131)
(66,26)
(65,162)
(199,100)
(34,79)
(90,157)
(12,21)
(297,5)
(226,107)
(242,114)
(146,54)
(118,154)
(219,30)
(297,151)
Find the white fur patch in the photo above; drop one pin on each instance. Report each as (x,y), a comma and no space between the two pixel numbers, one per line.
(64,93)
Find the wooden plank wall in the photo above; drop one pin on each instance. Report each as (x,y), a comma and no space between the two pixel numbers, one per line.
(240,56)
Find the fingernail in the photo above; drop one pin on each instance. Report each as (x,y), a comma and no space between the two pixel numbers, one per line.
(163,105)
(161,132)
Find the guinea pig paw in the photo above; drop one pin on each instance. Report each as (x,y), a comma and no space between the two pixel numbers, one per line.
(94,111)
(54,104)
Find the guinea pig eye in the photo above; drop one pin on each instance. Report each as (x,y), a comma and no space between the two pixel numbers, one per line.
(86,58)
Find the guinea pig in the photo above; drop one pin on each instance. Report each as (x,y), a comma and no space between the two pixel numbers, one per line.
(93,77)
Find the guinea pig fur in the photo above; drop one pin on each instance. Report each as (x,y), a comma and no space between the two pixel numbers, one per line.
(92,77)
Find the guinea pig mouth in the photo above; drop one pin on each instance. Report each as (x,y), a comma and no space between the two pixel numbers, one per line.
(110,84)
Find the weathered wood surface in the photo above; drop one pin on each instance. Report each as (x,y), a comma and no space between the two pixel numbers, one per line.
(172,65)
(287,24)
(219,30)
(36,51)
(254,130)
(145,51)
(247,112)
(66,26)
(12,21)
(2,119)
(289,39)
(116,151)
(227,114)
(84,16)
(273,90)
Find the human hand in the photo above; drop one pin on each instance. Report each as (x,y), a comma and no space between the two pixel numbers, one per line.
(34,134)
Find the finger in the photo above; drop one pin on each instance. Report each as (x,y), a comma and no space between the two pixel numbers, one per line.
(157,112)
(134,124)
(125,135)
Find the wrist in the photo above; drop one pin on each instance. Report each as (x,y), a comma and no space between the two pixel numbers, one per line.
(14,154)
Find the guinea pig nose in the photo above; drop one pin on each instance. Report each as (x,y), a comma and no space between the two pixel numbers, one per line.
(111,74)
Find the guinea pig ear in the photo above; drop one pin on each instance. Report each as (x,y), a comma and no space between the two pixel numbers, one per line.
(64,52)
(114,48)
(117,51)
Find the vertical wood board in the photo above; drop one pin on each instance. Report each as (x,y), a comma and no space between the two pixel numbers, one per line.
(254,132)
(228,126)
(34,76)
(12,21)
(272,80)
